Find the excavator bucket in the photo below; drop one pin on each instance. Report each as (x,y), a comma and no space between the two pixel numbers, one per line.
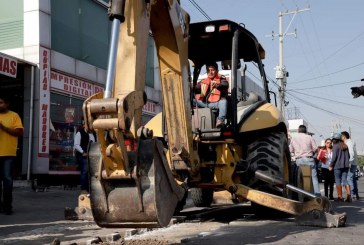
(147,198)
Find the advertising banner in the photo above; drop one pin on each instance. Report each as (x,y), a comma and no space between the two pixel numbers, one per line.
(44,101)
(8,66)
(74,86)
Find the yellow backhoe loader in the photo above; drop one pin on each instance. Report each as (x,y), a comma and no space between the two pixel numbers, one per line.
(180,149)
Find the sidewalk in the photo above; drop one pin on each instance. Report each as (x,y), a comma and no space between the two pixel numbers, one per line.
(38,207)
(38,217)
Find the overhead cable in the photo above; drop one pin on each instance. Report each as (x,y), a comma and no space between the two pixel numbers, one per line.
(334,53)
(347,68)
(323,86)
(200,9)
(354,120)
(323,98)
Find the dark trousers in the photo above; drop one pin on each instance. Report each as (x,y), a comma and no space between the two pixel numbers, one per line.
(6,182)
(82,164)
(329,179)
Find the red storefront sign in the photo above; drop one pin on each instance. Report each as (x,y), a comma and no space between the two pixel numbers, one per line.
(74,86)
(8,66)
(44,101)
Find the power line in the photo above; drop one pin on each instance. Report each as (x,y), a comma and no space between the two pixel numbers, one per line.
(334,53)
(323,86)
(200,9)
(347,68)
(322,98)
(357,121)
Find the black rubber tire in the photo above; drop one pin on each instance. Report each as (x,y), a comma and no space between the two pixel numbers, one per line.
(202,197)
(269,154)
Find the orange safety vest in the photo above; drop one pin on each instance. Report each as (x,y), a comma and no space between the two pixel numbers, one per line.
(207,90)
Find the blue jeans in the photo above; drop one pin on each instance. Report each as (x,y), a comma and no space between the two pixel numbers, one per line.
(311,162)
(82,164)
(352,180)
(6,181)
(341,176)
(221,105)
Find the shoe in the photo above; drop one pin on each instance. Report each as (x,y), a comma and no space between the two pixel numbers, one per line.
(339,199)
(357,197)
(348,199)
(219,123)
(331,198)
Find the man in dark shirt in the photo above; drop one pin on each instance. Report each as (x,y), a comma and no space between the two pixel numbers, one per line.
(82,139)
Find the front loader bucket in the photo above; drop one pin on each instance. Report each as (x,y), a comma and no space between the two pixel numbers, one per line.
(148,199)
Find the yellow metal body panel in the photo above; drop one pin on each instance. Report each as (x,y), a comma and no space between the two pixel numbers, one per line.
(266,116)
(227,157)
(155,124)
(281,203)
(132,49)
(169,25)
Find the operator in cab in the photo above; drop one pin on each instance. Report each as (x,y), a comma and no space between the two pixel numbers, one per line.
(212,92)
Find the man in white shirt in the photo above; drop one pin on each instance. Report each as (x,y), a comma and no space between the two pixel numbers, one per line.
(345,136)
(303,147)
(82,139)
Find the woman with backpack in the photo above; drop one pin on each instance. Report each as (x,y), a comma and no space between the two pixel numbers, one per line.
(340,165)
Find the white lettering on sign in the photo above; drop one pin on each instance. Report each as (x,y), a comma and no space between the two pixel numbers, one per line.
(44,102)
(8,66)
(150,108)
(73,85)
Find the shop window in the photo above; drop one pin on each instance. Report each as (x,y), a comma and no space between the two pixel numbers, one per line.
(66,114)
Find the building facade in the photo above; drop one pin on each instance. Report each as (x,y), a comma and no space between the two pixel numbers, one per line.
(60,49)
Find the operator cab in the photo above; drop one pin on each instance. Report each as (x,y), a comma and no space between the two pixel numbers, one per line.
(239,56)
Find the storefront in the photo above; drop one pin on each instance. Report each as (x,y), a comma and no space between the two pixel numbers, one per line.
(17,80)
(49,103)
(67,95)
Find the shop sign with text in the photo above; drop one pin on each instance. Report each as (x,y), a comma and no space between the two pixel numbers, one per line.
(8,66)
(74,86)
(44,101)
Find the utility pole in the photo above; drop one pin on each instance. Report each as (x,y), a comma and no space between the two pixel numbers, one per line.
(281,72)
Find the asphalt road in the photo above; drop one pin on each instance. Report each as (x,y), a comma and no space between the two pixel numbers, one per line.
(39,218)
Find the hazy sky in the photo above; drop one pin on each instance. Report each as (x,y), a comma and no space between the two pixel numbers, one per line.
(324,61)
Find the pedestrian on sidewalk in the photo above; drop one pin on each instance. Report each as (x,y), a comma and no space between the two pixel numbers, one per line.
(340,165)
(345,136)
(303,147)
(11,128)
(82,139)
(324,156)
